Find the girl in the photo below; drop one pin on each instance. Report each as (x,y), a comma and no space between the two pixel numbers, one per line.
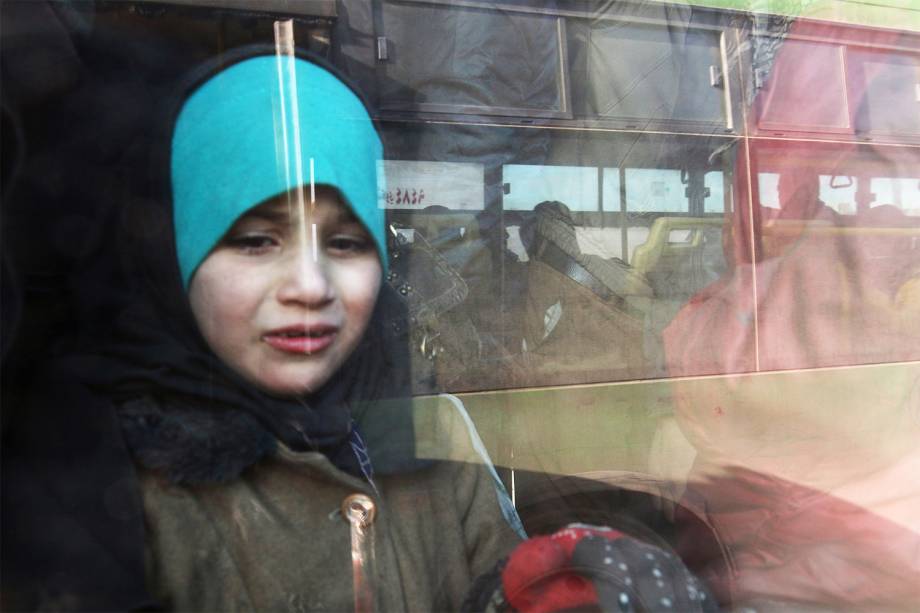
(281,247)
(250,376)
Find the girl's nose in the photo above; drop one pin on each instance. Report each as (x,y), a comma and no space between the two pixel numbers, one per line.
(305,280)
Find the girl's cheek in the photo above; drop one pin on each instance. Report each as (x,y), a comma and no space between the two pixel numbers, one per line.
(366,286)
(221,287)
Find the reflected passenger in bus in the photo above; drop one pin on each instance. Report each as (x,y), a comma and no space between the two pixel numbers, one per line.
(806,440)
(798,190)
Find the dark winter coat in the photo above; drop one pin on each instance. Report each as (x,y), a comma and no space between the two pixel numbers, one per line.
(276,539)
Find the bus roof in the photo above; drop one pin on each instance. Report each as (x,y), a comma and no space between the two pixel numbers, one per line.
(899,14)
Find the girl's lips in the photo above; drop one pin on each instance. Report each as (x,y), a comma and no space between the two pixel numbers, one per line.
(301,340)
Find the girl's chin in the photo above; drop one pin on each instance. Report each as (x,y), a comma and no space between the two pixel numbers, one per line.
(295,387)
(287,378)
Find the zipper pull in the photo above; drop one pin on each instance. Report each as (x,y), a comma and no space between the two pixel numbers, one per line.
(360,511)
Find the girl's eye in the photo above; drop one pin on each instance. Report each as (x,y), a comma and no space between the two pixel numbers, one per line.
(252,244)
(347,244)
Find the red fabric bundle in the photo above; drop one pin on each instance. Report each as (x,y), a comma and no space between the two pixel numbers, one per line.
(539,576)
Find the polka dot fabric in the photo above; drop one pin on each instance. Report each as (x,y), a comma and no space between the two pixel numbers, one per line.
(586,567)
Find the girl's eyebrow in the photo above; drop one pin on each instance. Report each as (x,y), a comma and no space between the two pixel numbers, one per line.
(272,214)
(279,214)
(344,215)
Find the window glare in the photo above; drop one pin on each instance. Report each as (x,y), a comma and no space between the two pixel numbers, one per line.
(530,185)
(902,193)
(649,189)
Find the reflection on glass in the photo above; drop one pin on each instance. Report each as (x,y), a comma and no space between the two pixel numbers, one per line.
(611,182)
(529,185)
(839,193)
(902,193)
(653,190)
(661,80)
(807,89)
(415,185)
(715,196)
(768,189)
(456,58)
(889,104)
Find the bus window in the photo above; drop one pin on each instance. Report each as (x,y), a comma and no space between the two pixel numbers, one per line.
(657,83)
(901,193)
(474,60)
(715,192)
(524,186)
(839,193)
(415,185)
(651,190)
(890,101)
(807,89)
(840,196)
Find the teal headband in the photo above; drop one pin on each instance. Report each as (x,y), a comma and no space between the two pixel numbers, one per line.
(249,134)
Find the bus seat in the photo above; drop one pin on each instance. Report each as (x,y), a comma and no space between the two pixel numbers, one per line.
(679,268)
(556,242)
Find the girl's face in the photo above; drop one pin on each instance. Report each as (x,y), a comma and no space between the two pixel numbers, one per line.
(286,295)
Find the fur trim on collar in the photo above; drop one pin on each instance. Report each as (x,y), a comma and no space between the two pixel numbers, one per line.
(194,446)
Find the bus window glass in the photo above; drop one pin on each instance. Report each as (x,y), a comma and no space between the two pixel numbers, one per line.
(807,89)
(888,83)
(715,195)
(768,189)
(651,190)
(527,185)
(836,192)
(455,59)
(666,77)
(612,200)
(902,193)
(414,185)
(839,194)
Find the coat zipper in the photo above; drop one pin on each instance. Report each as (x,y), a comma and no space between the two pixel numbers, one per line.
(360,511)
